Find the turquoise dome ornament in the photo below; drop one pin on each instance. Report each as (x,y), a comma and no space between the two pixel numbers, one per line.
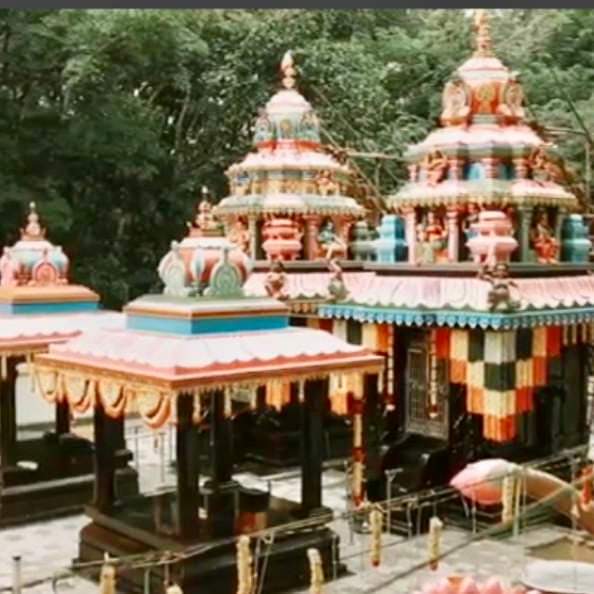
(575,244)
(391,245)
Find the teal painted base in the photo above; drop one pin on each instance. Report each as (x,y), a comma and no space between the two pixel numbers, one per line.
(206,325)
(48,308)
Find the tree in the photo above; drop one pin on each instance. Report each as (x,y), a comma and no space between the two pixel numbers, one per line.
(113,120)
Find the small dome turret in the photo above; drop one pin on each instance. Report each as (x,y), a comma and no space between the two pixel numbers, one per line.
(288,116)
(33,260)
(483,156)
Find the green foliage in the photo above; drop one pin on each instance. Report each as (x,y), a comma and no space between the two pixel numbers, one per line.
(113,120)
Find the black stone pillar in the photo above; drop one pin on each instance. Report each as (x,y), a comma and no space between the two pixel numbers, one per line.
(110,445)
(62,418)
(261,398)
(312,443)
(187,468)
(221,440)
(221,493)
(372,429)
(8,424)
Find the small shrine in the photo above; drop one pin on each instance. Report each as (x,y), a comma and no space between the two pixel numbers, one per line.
(51,474)
(294,206)
(179,359)
(487,316)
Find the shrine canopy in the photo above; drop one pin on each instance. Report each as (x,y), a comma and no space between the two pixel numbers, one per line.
(216,339)
(468,302)
(484,152)
(38,305)
(289,173)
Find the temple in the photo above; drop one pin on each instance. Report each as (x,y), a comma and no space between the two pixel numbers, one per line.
(488,314)
(179,359)
(51,474)
(476,284)
(292,202)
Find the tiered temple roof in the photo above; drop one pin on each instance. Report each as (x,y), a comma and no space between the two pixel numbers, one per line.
(484,152)
(289,173)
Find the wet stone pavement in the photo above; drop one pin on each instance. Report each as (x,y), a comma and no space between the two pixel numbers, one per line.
(47,547)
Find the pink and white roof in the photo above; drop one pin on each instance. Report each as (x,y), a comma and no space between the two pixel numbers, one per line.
(306,285)
(20,334)
(178,363)
(439,292)
(434,292)
(453,192)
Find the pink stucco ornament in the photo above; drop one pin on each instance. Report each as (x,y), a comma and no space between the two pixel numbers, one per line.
(493,242)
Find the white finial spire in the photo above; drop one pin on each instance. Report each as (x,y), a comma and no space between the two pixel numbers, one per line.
(288,70)
(482,29)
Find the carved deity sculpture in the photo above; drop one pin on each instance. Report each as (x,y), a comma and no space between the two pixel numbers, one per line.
(337,290)
(332,244)
(436,234)
(326,184)
(243,185)
(285,129)
(552,170)
(308,126)
(424,250)
(263,128)
(240,236)
(512,99)
(543,240)
(276,280)
(8,271)
(500,296)
(435,164)
(455,102)
(45,273)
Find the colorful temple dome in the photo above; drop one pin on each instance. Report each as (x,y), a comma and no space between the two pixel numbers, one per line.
(484,152)
(289,173)
(34,276)
(33,260)
(188,267)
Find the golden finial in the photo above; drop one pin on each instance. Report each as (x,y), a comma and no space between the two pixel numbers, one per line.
(288,70)
(482,30)
(33,230)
